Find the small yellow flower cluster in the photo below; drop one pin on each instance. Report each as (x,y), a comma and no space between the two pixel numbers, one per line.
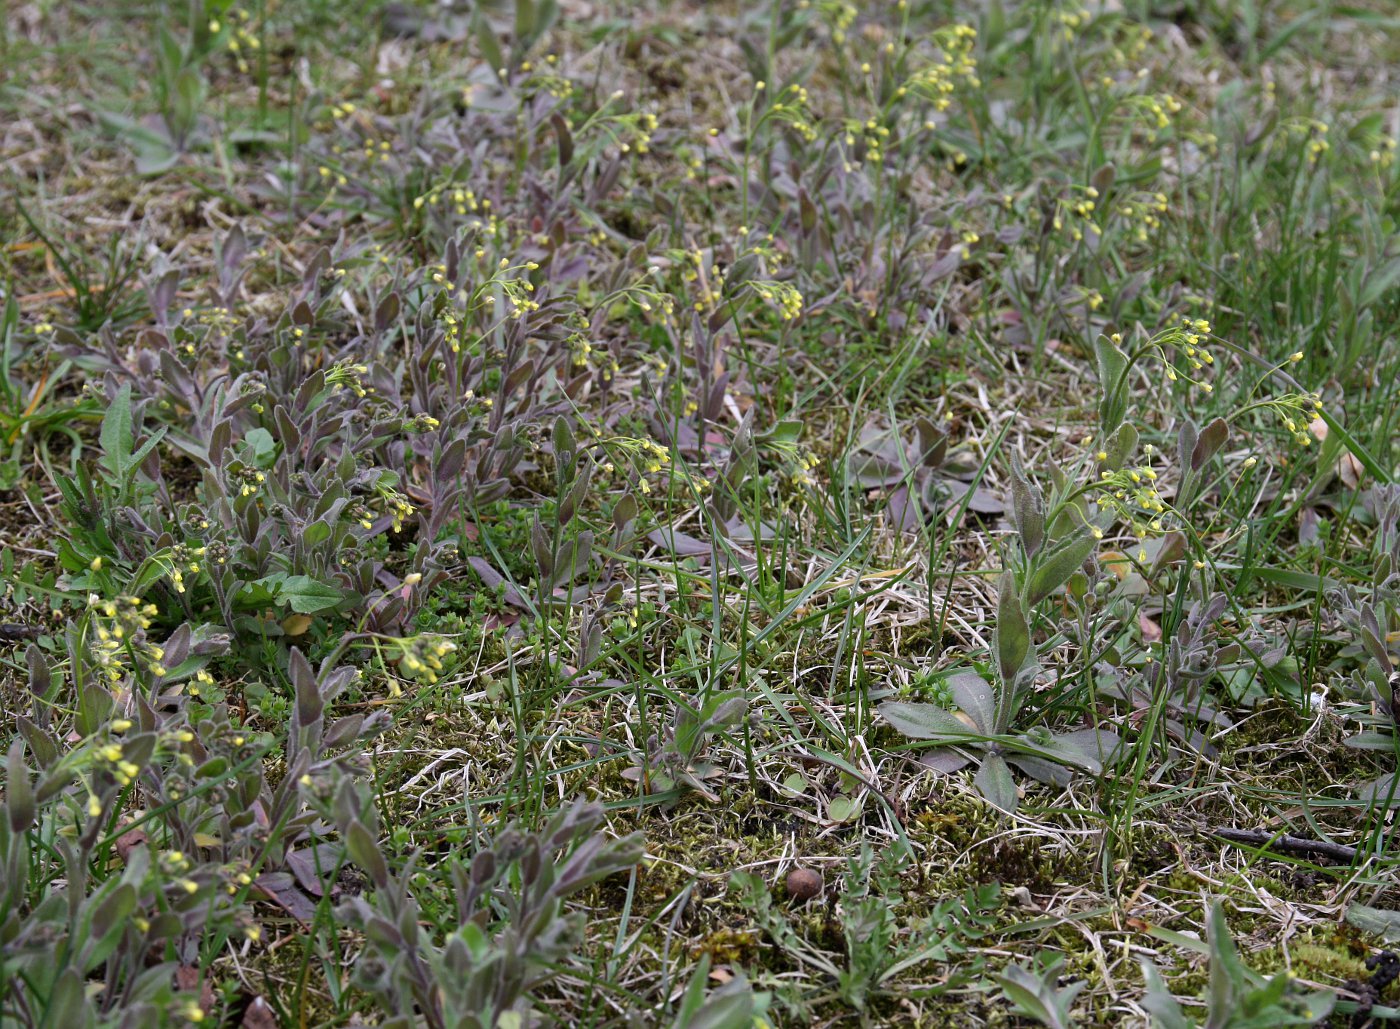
(804,464)
(630,132)
(217,553)
(1132,494)
(839,16)
(1295,411)
(379,151)
(1090,298)
(871,134)
(580,349)
(484,403)
(452,329)
(394,504)
(217,317)
(546,81)
(517,292)
(790,107)
(1072,21)
(708,279)
(113,755)
(763,246)
(1312,130)
(785,295)
(646,456)
(237,879)
(119,627)
(241,40)
(1080,210)
(196,686)
(640,292)
(1188,338)
(349,375)
(249,481)
(652,455)
(1155,109)
(1383,153)
(183,558)
(938,80)
(1133,40)
(342,110)
(461,201)
(421,656)
(173,862)
(1142,210)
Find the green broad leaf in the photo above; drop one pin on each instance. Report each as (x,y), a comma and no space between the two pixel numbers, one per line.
(1013,634)
(1228,975)
(108,926)
(1384,791)
(1024,999)
(19,794)
(975,698)
(364,851)
(1059,564)
(1210,439)
(1371,740)
(486,40)
(842,808)
(305,595)
(1379,282)
(263,446)
(146,448)
(190,90)
(1166,1011)
(67,1002)
(1380,921)
(994,781)
(1059,751)
(259,594)
(114,909)
(1113,374)
(926,721)
(1052,773)
(1027,509)
(316,533)
(116,434)
(1120,446)
(151,571)
(788,431)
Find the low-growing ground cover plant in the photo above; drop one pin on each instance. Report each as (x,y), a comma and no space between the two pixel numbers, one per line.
(704,514)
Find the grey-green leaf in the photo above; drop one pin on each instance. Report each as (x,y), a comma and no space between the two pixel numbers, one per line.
(364,851)
(994,782)
(1013,634)
(1059,565)
(1113,385)
(924,721)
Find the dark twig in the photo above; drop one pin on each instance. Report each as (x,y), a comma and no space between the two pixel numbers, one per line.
(1337,852)
(13,633)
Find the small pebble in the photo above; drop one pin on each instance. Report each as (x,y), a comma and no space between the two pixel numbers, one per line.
(804,883)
